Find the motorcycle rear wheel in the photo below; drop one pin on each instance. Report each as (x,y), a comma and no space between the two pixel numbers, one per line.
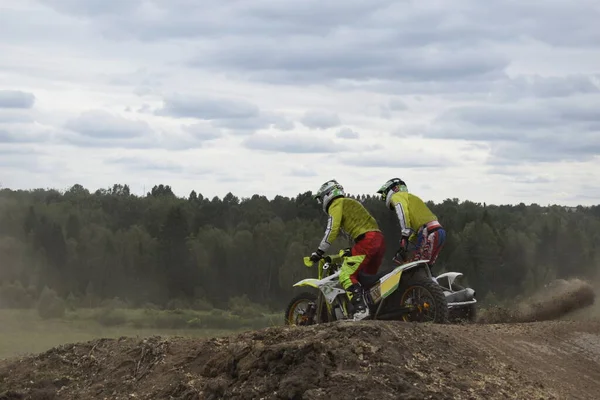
(436,297)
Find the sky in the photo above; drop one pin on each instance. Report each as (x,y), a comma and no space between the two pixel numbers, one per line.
(488,101)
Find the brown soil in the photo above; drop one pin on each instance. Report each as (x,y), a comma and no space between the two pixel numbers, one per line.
(384,360)
(345,360)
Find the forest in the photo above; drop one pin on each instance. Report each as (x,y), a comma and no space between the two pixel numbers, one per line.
(167,252)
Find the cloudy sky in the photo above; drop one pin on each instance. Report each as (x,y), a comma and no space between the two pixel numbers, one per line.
(495,101)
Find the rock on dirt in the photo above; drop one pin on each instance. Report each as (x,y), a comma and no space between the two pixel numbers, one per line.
(344,360)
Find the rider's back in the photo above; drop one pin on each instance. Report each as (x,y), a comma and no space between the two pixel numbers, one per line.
(355,219)
(418,212)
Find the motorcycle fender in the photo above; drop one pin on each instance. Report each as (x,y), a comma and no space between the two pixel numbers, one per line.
(308,282)
(389,283)
(451,276)
(386,285)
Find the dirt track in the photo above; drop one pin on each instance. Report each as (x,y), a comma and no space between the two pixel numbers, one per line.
(371,359)
(385,360)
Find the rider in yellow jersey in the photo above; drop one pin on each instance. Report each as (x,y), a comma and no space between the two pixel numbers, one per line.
(351,218)
(416,221)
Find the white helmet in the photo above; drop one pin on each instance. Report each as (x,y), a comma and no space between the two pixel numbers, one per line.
(327,192)
(394,184)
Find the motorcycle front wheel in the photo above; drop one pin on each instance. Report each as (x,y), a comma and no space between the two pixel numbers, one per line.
(302,310)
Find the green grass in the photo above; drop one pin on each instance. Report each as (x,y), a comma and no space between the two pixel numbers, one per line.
(25,332)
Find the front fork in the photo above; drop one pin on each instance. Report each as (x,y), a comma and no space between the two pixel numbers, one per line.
(314,311)
(338,310)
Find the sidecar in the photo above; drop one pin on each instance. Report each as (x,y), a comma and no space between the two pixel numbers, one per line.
(462,305)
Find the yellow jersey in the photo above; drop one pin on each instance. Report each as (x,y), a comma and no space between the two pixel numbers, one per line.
(411,211)
(348,216)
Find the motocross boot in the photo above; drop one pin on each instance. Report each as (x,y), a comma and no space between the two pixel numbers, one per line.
(361,310)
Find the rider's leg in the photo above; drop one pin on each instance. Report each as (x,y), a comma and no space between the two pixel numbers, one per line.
(367,255)
(421,246)
(348,280)
(373,246)
(436,241)
(429,245)
(350,268)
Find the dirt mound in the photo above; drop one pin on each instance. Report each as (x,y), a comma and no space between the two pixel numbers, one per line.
(375,359)
(558,299)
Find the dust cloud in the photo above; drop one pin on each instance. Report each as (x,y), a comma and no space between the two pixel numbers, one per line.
(558,299)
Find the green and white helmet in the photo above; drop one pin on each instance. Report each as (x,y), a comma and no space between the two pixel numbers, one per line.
(395,184)
(329,191)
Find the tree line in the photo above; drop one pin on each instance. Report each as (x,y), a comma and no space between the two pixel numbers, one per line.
(161,248)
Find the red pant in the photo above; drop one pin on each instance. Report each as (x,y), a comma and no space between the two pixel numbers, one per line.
(372,245)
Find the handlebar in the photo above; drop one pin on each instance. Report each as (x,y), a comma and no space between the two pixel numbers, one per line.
(325,262)
(401,254)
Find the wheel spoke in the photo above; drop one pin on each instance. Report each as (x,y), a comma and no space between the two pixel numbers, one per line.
(421,301)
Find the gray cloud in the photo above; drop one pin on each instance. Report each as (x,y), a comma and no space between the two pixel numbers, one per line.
(7,136)
(21,162)
(283,123)
(320,119)
(16,99)
(549,131)
(397,105)
(18,149)
(25,157)
(145,165)
(290,143)
(15,116)
(184,19)
(378,45)
(461,23)
(394,105)
(587,191)
(500,88)
(302,171)
(532,179)
(485,54)
(381,39)
(551,113)
(24,133)
(347,133)
(329,61)
(144,81)
(516,174)
(99,124)
(153,165)
(237,116)
(249,125)
(209,108)
(544,87)
(556,147)
(94,8)
(203,133)
(99,128)
(391,160)
(385,112)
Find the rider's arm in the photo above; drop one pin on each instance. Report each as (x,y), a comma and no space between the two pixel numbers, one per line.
(333,225)
(399,202)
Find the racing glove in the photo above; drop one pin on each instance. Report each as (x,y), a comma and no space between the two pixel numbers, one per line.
(317,255)
(402,253)
(404,243)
